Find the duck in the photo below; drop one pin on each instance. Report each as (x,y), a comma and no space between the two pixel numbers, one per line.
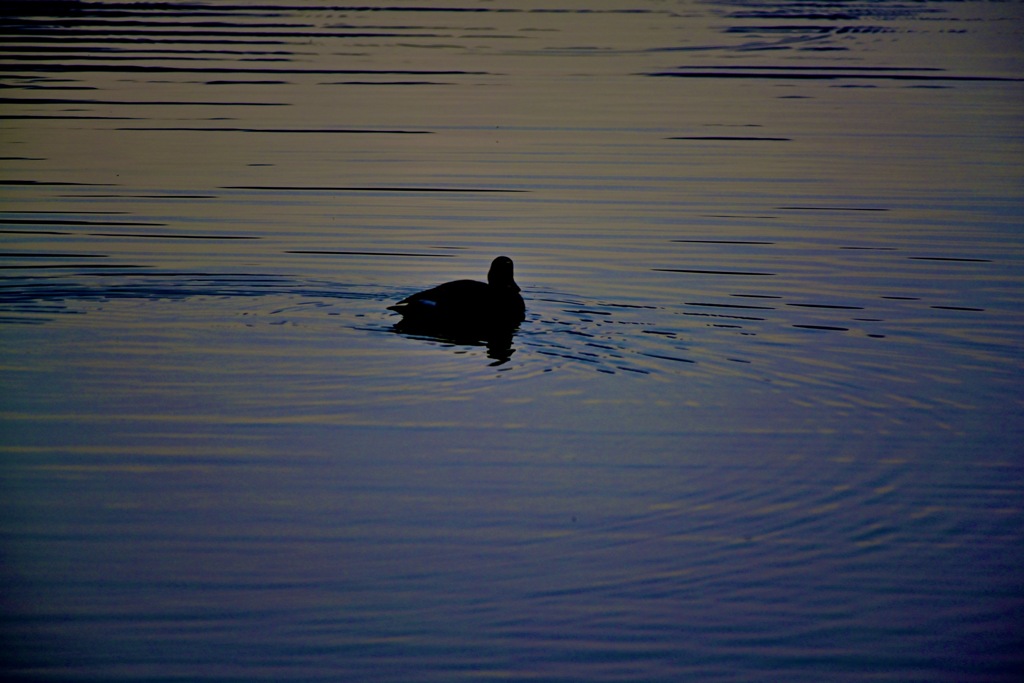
(465,306)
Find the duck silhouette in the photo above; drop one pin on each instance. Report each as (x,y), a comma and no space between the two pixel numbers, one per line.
(466,308)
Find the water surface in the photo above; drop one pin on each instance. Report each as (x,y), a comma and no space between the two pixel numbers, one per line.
(763,419)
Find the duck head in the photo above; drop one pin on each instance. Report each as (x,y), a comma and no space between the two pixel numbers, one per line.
(500,274)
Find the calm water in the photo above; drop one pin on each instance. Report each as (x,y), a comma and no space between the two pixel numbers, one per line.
(763,421)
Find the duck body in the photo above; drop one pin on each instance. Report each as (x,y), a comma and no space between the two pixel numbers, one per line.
(466,306)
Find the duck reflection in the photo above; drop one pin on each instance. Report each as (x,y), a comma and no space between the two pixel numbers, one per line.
(498,341)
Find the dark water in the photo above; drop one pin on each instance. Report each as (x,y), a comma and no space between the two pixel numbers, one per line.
(763,420)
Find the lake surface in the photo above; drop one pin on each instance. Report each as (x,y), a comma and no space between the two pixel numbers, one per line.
(764,419)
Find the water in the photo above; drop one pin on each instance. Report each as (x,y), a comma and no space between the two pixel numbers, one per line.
(763,420)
